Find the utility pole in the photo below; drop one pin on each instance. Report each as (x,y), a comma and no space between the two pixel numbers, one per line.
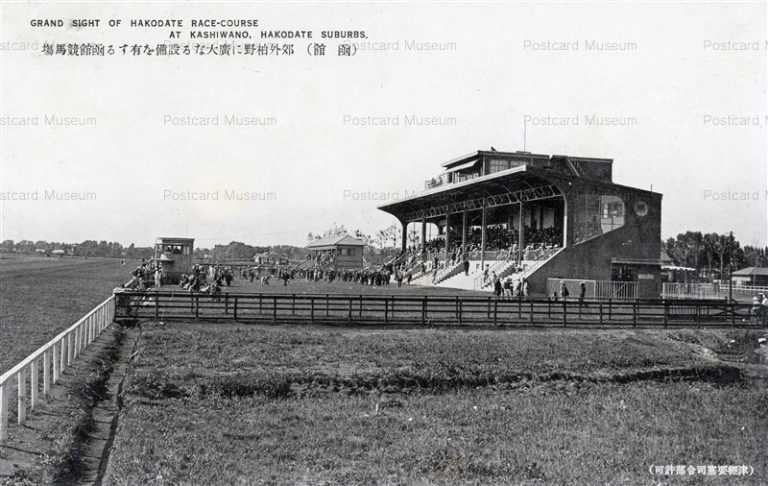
(730,281)
(525,134)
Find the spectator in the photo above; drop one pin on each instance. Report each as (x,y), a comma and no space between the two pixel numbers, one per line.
(496,284)
(582,293)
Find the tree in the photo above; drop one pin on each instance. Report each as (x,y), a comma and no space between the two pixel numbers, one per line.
(711,245)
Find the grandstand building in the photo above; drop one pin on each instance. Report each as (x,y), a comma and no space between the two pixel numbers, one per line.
(542,219)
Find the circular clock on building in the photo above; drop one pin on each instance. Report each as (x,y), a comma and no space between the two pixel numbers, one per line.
(641,208)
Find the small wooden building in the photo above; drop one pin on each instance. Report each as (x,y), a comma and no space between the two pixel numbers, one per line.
(757,276)
(341,252)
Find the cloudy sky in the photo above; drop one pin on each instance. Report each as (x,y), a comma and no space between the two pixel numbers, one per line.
(674,92)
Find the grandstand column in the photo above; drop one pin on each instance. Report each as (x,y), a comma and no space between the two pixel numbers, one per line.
(423,234)
(520,234)
(447,233)
(541,217)
(565,221)
(482,237)
(404,241)
(464,232)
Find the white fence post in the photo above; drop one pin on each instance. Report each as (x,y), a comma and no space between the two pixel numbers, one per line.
(63,355)
(54,357)
(56,360)
(3,412)
(33,378)
(47,372)
(21,385)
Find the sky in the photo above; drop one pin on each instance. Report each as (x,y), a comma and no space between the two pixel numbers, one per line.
(680,88)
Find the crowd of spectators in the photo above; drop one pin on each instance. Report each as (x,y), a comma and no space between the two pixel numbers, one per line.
(207,278)
(381,276)
(501,244)
(202,278)
(144,276)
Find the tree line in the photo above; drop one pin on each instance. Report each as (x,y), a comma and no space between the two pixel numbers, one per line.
(88,248)
(713,254)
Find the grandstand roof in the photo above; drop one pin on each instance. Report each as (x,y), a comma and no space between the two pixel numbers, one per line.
(336,240)
(533,177)
(516,178)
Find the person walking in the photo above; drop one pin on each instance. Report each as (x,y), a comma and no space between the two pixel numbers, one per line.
(564,290)
(755,311)
(158,278)
(508,287)
(496,284)
(582,294)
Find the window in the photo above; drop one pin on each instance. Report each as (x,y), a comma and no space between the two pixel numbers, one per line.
(623,273)
(496,165)
(594,215)
(612,208)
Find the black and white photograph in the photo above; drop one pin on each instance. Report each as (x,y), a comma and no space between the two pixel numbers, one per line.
(383,243)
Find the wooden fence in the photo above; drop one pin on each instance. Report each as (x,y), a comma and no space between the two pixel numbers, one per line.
(432,310)
(48,363)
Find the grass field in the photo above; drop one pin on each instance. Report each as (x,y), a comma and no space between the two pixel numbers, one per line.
(593,435)
(230,404)
(39,297)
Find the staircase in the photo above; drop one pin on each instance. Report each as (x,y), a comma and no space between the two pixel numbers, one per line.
(460,281)
(506,269)
(448,272)
(455,277)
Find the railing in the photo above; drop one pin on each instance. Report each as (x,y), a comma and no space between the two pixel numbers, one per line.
(436,181)
(432,310)
(680,290)
(416,272)
(480,281)
(505,268)
(608,289)
(49,362)
(594,289)
(448,271)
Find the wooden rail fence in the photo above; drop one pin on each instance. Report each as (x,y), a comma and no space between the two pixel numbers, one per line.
(48,363)
(433,310)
